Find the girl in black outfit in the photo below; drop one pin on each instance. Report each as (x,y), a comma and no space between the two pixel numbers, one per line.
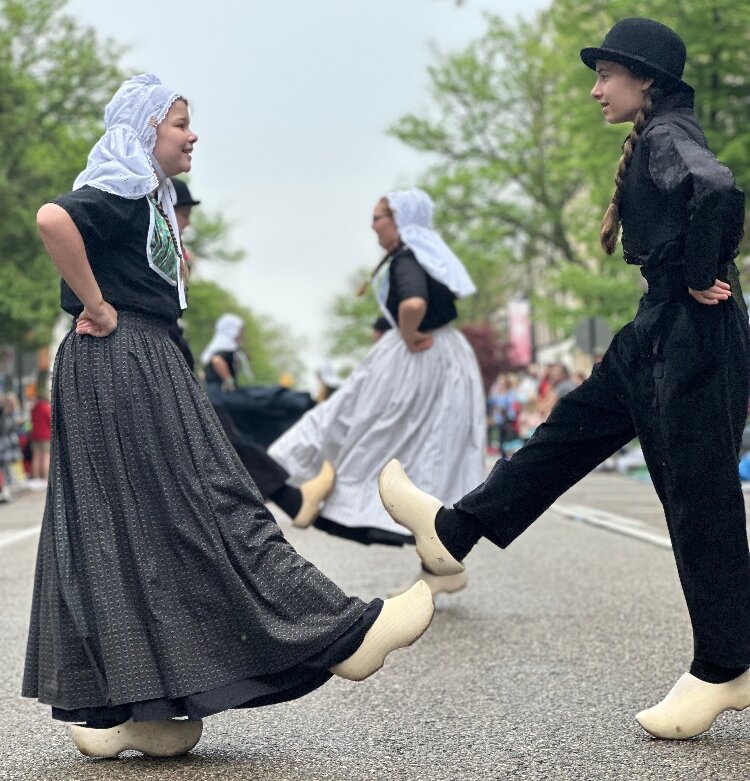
(676,377)
(163,587)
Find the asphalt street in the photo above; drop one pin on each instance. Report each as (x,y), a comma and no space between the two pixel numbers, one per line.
(534,671)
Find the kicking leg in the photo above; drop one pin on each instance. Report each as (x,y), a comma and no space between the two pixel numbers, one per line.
(585,427)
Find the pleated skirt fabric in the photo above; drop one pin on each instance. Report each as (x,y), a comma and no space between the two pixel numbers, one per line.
(426,409)
(160,572)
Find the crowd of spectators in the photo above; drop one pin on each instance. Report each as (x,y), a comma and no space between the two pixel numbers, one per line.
(518,402)
(24,444)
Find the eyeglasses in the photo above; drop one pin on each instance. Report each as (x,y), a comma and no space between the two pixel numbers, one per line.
(376,217)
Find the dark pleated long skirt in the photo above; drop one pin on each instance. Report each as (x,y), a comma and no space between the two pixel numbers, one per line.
(163,584)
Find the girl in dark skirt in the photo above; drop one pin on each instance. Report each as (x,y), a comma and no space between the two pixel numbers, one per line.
(164,588)
(676,377)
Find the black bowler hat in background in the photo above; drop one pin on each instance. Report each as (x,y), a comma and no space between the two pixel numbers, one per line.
(645,46)
(183,193)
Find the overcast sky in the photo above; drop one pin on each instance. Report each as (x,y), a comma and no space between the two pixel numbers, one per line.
(291,100)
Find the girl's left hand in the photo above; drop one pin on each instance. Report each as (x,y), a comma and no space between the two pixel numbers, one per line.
(419,342)
(714,295)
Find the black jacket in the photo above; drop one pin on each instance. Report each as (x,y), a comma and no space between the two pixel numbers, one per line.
(680,209)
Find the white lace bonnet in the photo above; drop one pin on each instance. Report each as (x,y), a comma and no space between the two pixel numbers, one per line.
(122,160)
(412,212)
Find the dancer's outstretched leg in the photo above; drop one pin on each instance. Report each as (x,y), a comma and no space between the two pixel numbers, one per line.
(586,427)
(402,621)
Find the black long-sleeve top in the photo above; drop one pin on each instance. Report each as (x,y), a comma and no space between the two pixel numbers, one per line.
(680,206)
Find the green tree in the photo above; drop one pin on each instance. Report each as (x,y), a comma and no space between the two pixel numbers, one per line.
(55,76)
(208,237)
(350,334)
(508,184)
(271,349)
(268,347)
(717,36)
(523,171)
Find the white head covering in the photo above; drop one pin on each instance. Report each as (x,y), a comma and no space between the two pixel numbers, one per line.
(412,211)
(226,333)
(122,160)
(328,375)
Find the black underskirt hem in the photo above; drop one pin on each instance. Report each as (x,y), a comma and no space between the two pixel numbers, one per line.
(365,535)
(255,692)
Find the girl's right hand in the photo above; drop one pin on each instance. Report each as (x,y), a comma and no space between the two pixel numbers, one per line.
(99,320)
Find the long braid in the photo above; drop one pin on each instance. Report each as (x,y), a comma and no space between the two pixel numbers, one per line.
(611,223)
(184,268)
(365,286)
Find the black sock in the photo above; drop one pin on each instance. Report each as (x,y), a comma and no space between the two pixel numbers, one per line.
(104,723)
(459,531)
(288,498)
(713,673)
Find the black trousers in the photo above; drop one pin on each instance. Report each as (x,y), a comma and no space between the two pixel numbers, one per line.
(677,377)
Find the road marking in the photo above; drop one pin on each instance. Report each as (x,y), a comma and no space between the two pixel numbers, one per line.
(9,537)
(619,524)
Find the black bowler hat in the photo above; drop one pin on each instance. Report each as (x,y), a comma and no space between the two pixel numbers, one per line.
(647,47)
(183,193)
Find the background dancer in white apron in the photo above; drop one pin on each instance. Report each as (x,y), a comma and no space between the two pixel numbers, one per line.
(418,388)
